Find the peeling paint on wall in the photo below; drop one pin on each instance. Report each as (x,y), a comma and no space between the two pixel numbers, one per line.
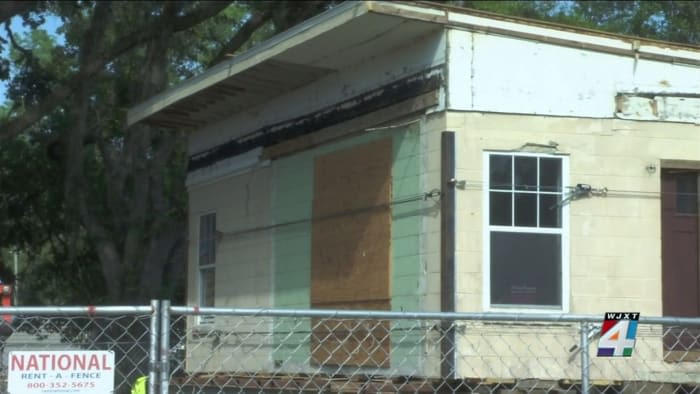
(670,108)
(492,73)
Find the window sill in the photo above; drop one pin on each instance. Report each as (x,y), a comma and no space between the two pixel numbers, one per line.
(525,309)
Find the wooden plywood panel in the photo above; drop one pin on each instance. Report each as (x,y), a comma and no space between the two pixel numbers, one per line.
(351,232)
(351,253)
(352,342)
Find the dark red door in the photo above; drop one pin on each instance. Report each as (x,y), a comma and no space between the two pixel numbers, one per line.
(680,255)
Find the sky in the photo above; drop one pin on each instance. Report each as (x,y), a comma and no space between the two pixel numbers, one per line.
(51,25)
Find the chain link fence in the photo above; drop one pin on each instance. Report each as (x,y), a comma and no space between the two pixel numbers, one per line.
(217,350)
(128,332)
(265,351)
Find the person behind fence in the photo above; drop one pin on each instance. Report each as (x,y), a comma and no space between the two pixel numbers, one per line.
(139,386)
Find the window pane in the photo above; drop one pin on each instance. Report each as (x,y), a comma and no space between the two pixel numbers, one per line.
(207,239)
(207,289)
(525,269)
(550,174)
(687,193)
(526,209)
(550,212)
(525,173)
(204,256)
(500,207)
(500,171)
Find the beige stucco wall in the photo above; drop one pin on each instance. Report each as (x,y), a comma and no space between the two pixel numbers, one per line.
(615,245)
(243,271)
(615,241)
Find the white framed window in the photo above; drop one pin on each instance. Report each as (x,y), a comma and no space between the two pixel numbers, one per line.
(207,259)
(525,232)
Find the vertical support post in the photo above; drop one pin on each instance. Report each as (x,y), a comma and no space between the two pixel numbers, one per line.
(164,346)
(447,251)
(698,233)
(585,362)
(15,292)
(154,334)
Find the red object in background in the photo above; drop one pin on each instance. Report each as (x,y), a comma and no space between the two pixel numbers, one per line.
(6,300)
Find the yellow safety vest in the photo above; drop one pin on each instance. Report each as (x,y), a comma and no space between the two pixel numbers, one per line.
(140,385)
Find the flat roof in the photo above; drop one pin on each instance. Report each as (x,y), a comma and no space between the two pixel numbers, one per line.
(322,45)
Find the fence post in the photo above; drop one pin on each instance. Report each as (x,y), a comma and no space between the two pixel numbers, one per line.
(153,350)
(585,372)
(164,346)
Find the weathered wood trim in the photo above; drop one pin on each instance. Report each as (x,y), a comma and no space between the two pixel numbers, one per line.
(447,251)
(680,164)
(579,44)
(376,99)
(354,126)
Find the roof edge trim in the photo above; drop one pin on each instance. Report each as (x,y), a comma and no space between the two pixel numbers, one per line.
(549,32)
(552,25)
(263,51)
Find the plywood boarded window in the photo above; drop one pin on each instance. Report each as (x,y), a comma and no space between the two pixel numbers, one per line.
(351,253)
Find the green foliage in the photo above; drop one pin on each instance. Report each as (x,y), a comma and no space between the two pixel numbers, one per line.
(57,265)
(677,21)
(192,52)
(103,216)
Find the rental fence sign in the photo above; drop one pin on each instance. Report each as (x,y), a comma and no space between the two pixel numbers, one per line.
(60,372)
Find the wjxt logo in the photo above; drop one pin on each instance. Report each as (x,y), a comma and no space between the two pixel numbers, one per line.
(618,333)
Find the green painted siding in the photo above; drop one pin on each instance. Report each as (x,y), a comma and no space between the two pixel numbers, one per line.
(292,201)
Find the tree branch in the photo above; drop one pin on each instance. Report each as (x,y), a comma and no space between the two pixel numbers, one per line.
(26,52)
(154,79)
(207,10)
(256,20)
(91,47)
(8,9)
(74,182)
(115,175)
(106,250)
(61,92)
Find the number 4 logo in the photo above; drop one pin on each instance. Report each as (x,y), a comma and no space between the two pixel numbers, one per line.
(617,338)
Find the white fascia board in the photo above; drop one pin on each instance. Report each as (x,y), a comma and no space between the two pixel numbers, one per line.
(407,10)
(559,36)
(670,52)
(265,50)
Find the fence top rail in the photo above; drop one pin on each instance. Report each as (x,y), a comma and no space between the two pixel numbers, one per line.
(396,315)
(77,310)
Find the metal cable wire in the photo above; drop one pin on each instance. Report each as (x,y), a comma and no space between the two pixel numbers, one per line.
(431,195)
(533,188)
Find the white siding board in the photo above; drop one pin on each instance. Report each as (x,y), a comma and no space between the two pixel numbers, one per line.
(460,63)
(604,41)
(512,75)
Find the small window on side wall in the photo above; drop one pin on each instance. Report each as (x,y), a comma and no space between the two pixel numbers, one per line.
(207,260)
(525,239)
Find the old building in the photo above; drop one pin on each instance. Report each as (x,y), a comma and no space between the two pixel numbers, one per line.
(321,170)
